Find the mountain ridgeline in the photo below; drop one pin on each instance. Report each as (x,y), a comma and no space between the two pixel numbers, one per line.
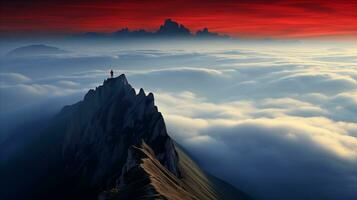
(169,29)
(113,145)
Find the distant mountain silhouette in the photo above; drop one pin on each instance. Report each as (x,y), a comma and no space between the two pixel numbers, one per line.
(125,32)
(35,50)
(205,33)
(170,29)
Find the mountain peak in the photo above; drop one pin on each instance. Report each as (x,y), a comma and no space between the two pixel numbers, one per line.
(108,121)
(116,82)
(172,28)
(110,87)
(121,78)
(141,92)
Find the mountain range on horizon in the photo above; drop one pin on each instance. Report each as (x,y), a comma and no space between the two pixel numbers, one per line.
(111,145)
(169,29)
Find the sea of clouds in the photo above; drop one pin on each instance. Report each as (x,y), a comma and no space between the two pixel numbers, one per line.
(276,119)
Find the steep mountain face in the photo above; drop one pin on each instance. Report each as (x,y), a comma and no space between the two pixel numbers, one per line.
(106,124)
(111,145)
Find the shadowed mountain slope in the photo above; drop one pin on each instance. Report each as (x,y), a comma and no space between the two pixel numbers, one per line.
(112,145)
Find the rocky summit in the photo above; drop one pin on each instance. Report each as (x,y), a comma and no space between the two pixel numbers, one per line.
(111,119)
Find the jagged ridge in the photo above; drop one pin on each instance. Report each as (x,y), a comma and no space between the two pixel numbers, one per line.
(150,180)
(116,143)
(106,124)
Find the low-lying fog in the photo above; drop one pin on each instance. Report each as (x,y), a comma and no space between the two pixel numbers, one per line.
(276,119)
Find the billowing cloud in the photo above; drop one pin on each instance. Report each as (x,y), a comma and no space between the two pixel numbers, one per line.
(278,121)
(310,157)
(18,91)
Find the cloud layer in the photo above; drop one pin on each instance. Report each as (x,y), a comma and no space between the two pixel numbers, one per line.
(279,121)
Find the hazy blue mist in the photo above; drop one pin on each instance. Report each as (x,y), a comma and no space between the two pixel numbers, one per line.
(277,119)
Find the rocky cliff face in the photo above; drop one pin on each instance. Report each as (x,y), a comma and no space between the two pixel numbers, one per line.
(111,145)
(102,128)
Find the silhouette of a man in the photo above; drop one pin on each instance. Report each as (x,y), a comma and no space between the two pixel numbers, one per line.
(111,73)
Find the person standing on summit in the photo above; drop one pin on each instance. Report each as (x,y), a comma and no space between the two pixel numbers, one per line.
(111,73)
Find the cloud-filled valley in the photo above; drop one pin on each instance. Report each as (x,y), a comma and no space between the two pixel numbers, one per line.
(277,120)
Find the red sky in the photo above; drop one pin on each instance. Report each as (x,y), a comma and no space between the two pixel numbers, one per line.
(241,18)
